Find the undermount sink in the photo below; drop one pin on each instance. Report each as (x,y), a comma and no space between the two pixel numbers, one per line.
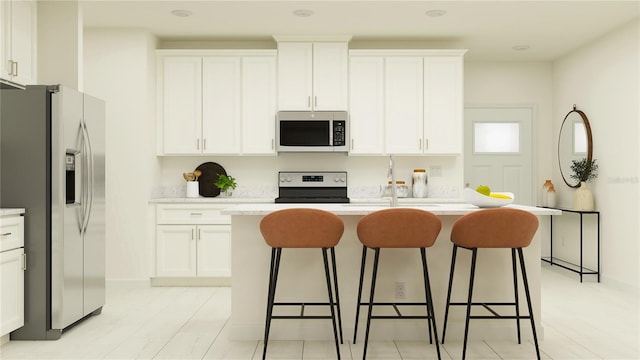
(389,205)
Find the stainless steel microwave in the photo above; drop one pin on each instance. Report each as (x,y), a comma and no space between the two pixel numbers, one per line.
(312,131)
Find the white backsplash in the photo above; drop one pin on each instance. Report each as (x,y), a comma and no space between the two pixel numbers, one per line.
(257,176)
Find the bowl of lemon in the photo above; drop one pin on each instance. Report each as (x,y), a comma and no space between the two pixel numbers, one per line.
(484,198)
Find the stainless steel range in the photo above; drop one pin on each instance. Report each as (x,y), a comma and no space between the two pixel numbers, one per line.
(312,187)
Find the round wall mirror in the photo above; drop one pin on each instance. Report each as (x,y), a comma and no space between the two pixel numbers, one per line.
(574,143)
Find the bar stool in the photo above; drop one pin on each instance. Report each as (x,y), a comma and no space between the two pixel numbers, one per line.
(302,228)
(397,228)
(493,228)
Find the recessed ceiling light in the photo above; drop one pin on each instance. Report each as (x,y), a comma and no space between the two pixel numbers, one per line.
(181,13)
(521,47)
(303,13)
(435,12)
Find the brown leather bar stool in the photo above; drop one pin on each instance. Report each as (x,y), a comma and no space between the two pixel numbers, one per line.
(493,228)
(302,228)
(397,228)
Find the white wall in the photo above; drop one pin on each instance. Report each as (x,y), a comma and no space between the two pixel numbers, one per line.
(119,68)
(603,79)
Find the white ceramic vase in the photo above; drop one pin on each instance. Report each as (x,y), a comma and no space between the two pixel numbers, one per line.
(583,198)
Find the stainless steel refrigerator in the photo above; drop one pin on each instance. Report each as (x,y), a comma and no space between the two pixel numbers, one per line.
(52,159)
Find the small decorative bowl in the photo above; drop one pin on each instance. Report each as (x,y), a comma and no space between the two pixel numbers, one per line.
(475,198)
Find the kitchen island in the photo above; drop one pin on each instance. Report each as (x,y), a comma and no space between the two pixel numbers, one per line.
(302,277)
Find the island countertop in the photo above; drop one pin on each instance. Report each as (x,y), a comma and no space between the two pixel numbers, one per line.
(364,208)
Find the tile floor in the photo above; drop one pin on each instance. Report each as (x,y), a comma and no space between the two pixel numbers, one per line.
(581,321)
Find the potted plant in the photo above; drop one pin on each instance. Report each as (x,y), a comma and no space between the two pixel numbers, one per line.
(583,171)
(226,184)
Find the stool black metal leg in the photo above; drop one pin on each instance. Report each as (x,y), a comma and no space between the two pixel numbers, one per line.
(446,311)
(466,323)
(526,291)
(515,289)
(364,260)
(335,284)
(273,277)
(429,300)
(426,302)
(373,288)
(330,293)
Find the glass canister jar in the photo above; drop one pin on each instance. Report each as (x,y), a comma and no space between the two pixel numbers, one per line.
(419,183)
(401,188)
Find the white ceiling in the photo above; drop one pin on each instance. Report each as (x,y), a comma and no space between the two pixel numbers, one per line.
(489,29)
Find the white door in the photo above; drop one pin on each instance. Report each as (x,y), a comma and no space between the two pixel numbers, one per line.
(498,150)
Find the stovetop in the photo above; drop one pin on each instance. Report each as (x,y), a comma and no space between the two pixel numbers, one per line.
(312,187)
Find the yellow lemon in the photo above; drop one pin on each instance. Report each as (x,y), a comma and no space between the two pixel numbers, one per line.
(484,190)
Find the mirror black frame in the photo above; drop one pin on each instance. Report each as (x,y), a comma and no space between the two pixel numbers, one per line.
(587,128)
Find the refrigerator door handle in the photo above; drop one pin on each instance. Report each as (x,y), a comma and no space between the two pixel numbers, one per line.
(88,185)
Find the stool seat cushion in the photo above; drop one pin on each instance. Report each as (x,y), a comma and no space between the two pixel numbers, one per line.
(495,228)
(301,228)
(399,228)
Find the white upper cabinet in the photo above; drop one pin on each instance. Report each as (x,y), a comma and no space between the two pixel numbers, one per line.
(221,104)
(406,102)
(18,41)
(403,105)
(258,105)
(216,102)
(366,105)
(443,105)
(180,97)
(312,75)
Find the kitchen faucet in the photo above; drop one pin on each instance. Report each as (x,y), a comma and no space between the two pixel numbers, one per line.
(391,174)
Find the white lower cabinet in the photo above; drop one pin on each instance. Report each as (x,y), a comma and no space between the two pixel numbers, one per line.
(12,267)
(192,241)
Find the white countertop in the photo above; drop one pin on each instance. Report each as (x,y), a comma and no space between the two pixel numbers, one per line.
(11,211)
(363,209)
(270,200)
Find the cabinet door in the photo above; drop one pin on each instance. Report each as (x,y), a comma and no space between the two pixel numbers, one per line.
(295,75)
(366,100)
(221,89)
(403,105)
(11,290)
(443,105)
(23,40)
(181,100)
(214,250)
(176,250)
(258,105)
(5,30)
(330,76)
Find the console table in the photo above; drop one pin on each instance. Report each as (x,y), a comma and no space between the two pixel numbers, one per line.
(576,268)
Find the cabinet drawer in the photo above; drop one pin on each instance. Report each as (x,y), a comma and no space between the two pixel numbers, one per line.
(191,214)
(11,232)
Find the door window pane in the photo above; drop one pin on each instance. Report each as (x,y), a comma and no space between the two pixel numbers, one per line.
(496,137)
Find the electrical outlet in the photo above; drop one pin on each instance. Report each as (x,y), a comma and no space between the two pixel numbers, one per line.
(401,290)
(435,171)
